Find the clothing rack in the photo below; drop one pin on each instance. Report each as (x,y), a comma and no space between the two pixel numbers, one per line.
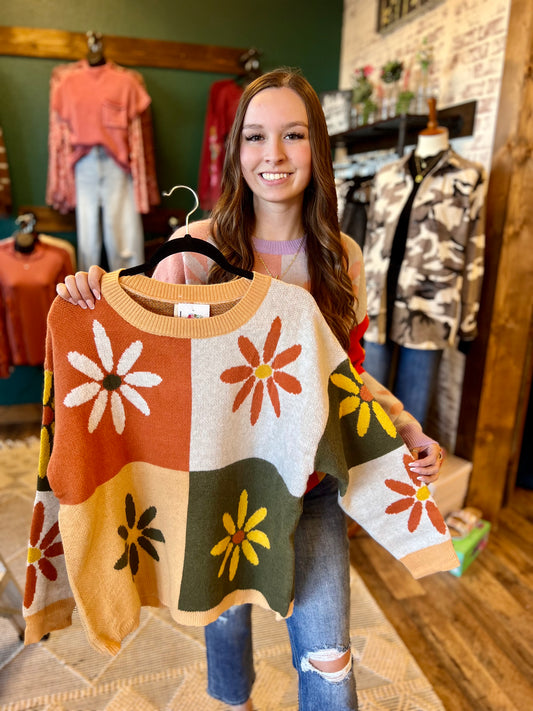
(127,51)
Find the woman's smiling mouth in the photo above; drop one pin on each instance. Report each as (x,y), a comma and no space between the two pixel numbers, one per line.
(274,176)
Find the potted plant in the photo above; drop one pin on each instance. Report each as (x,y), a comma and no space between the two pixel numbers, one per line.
(361,93)
(391,73)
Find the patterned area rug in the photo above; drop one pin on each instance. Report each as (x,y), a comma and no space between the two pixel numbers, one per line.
(161,666)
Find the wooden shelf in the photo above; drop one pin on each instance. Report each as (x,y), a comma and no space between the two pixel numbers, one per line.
(127,51)
(403,130)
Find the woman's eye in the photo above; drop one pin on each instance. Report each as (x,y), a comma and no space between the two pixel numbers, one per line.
(294,136)
(253,137)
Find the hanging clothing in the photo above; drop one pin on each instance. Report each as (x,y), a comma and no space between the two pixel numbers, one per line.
(62,244)
(193,440)
(436,301)
(103,105)
(354,214)
(27,290)
(222,105)
(105,211)
(5,181)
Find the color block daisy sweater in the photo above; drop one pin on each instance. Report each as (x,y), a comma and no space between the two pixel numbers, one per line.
(175,453)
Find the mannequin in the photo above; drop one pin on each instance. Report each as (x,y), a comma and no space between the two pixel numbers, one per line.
(423,264)
(434,138)
(431,144)
(98,154)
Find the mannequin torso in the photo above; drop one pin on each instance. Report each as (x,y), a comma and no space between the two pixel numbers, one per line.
(430,144)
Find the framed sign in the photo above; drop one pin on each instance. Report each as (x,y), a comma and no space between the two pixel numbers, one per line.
(337,107)
(391,13)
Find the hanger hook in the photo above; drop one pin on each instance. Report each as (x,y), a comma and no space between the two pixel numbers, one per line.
(26,222)
(196,203)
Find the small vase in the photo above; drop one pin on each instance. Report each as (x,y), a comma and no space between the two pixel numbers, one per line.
(390,99)
(357,115)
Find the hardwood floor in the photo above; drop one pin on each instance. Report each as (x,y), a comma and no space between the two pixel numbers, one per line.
(473,635)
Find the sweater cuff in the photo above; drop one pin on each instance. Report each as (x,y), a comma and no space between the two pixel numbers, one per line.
(434,559)
(56,616)
(412,435)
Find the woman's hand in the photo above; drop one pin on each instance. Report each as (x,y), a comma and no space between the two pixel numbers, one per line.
(82,288)
(427,464)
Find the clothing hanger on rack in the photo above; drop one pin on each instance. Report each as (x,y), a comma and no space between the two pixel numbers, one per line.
(251,65)
(26,237)
(95,44)
(187,243)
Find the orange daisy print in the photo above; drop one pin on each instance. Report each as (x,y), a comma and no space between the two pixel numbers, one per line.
(416,498)
(263,371)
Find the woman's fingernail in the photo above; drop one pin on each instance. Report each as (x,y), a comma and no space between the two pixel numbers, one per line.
(82,304)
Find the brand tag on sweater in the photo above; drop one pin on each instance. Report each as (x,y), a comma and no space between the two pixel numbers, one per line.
(191,310)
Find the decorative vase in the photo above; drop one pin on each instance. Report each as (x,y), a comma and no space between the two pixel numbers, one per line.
(390,99)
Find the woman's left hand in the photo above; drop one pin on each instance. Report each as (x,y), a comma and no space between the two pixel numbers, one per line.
(427,464)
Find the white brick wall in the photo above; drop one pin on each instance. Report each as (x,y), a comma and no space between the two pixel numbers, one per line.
(468,37)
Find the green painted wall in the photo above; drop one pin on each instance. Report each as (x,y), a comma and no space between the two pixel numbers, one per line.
(299,33)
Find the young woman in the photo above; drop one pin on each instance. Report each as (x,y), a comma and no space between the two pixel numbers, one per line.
(278,215)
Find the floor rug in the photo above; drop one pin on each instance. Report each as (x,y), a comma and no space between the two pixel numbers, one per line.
(161,666)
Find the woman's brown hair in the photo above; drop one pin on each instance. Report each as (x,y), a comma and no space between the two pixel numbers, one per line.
(233,220)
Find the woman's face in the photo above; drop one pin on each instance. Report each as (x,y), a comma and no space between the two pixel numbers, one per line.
(275,151)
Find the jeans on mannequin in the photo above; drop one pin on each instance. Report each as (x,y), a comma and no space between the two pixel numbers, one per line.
(409,373)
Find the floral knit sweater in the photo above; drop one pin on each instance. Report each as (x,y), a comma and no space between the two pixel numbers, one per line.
(175,453)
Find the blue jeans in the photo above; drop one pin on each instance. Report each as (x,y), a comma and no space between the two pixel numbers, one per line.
(320,621)
(102,183)
(409,373)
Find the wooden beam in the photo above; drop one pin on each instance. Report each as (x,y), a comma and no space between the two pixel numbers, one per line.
(128,51)
(498,368)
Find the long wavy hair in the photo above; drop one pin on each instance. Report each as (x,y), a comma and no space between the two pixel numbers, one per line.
(233,219)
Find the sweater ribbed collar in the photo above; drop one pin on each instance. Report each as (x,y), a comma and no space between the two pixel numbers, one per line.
(126,295)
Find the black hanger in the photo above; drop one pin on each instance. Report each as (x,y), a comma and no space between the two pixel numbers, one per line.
(187,244)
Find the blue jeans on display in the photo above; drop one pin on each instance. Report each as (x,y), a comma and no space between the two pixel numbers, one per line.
(408,373)
(102,183)
(320,620)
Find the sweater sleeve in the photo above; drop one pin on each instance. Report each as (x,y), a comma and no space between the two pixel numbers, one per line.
(361,448)
(48,598)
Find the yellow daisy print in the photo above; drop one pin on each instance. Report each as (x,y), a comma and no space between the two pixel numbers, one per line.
(240,536)
(360,398)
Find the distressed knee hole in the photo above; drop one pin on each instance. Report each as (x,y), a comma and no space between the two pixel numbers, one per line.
(331,664)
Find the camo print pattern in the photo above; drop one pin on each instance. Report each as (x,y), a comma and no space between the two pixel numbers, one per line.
(439,284)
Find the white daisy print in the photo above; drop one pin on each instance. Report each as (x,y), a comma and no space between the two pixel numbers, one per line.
(108,382)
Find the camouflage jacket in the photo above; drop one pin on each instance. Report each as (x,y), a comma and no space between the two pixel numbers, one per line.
(439,285)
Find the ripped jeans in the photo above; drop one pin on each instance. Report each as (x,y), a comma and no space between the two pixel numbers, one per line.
(319,626)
